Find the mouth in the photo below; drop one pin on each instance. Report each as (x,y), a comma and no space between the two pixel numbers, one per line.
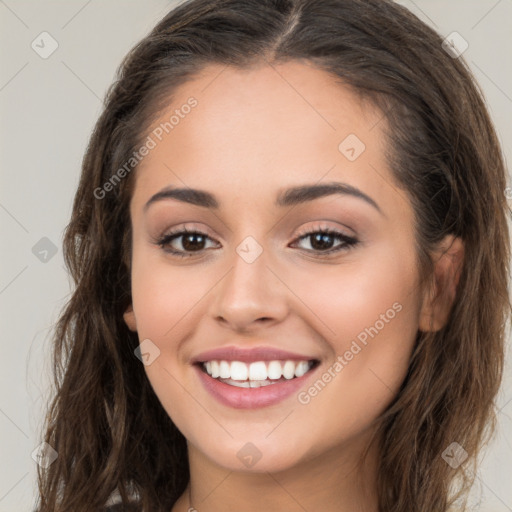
(253,383)
(257,373)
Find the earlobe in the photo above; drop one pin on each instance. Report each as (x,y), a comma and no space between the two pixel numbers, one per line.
(440,295)
(129,318)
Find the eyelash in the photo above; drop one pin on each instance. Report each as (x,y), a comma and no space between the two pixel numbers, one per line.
(349,242)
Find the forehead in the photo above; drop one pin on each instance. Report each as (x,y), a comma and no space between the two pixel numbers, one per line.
(263,128)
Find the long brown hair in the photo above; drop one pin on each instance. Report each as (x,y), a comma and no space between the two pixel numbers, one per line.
(106,423)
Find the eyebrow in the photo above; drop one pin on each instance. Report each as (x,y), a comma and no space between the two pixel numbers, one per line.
(289,197)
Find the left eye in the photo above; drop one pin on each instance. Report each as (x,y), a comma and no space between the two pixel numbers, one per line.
(320,241)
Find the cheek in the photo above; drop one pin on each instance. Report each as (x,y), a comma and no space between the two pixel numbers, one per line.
(371,309)
(361,293)
(165,299)
(164,295)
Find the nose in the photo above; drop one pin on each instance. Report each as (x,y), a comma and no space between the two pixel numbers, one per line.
(250,295)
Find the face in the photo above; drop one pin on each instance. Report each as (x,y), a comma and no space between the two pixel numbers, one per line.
(273,279)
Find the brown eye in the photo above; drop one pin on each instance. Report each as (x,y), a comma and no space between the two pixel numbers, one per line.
(190,242)
(322,241)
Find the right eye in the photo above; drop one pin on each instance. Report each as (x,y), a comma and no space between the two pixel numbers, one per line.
(191,242)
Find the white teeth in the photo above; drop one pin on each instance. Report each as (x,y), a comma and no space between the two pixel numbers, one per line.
(275,370)
(256,374)
(289,370)
(258,371)
(247,383)
(238,383)
(215,369)
(224,371)
(301,368)
(239,371)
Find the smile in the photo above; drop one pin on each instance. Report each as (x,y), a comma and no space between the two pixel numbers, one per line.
(249,378)
(256,374)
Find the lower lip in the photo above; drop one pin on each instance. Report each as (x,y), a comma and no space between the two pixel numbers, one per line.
(251,398)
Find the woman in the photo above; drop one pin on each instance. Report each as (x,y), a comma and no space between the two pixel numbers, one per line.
(290,249)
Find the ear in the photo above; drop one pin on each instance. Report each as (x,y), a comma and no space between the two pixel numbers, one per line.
(129,318)
(438,298)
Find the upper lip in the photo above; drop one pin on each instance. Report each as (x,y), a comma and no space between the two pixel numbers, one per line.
(248,355)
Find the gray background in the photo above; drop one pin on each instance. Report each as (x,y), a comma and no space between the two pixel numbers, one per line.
(47,110)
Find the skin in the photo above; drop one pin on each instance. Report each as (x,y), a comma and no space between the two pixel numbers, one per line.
(279,127)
